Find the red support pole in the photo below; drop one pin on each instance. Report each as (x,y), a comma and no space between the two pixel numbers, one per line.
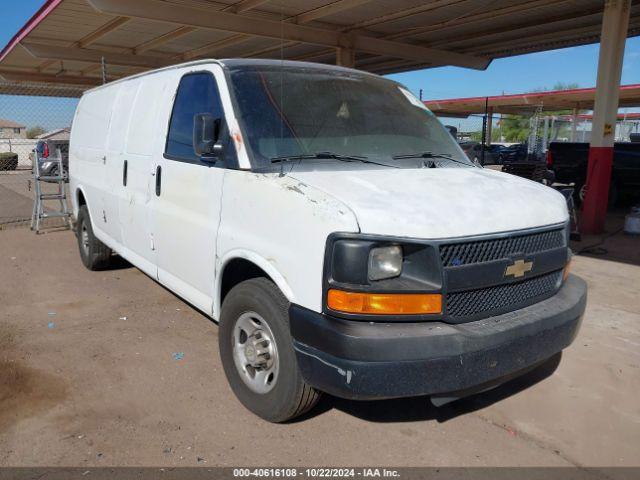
(615,24)
(598,178)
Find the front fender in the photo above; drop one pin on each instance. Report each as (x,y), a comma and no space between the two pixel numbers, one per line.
(265,264)
(281,225)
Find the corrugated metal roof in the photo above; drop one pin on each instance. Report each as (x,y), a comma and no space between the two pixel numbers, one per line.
(580,98)
(66,40)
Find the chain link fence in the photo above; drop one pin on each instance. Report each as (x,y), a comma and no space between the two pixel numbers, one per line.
(526,136)
(31,116)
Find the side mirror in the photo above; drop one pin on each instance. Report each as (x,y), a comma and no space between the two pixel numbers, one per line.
(206,135)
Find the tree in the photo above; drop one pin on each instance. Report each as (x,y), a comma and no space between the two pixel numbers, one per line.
(514,128)
(559,86)
(33,132)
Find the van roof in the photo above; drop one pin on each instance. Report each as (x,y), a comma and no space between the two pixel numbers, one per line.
(239,62)
(236,62)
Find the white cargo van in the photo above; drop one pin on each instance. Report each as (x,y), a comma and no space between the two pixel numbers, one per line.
(330,224)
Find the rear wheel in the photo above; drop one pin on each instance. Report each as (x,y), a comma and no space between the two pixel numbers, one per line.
(257,352)
(94,254)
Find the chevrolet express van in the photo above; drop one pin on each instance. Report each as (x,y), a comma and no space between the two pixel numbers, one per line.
(331,226)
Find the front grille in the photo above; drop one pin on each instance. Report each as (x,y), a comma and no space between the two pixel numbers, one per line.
(455,254)
(484,300)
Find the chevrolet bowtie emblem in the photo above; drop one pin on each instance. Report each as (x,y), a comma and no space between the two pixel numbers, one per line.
(518,268)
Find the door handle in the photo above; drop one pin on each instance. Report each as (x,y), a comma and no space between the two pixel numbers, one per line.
(158,180)
(125,168)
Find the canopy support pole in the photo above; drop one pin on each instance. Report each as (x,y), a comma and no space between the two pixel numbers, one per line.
(345,57)
(615,24)
(574,124)
(489,124)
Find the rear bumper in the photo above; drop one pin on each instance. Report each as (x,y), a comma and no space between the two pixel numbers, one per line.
(362,360)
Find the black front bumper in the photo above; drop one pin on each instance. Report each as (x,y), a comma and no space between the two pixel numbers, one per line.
(365,360)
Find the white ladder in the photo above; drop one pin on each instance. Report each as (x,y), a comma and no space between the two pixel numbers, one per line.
(59,195)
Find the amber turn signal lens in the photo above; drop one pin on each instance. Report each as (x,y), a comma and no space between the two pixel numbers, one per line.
(384,303)
(566,271)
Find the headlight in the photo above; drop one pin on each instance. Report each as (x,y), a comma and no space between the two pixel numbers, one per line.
(385,262)
(374,275)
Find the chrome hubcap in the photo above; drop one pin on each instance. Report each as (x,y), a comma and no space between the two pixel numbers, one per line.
(255,353)
(84,237)
(583,192)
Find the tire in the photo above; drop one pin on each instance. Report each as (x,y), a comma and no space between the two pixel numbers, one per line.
(65,173)
(94,254)
(581,191)
(286,396)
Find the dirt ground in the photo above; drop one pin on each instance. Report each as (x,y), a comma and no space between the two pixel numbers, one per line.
(89,377)
(16,197)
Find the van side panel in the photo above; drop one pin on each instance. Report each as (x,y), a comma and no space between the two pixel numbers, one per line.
(87,158)
(187,212)
(118,128)
(135,205)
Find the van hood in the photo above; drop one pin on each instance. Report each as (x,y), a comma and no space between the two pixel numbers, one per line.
(438,202)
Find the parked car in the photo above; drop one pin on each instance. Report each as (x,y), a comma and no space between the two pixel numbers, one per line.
(47,151)
(343,252)
(453,131)
(473,150)
(514,153)
(519,152)
(569,162)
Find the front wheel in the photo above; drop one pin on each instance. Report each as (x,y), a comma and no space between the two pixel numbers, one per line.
(257,352)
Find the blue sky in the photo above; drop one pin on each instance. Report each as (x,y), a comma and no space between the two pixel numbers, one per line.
(509,75)
(521,74)
(15,14)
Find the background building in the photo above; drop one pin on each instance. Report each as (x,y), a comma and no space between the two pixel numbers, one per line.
(11,129)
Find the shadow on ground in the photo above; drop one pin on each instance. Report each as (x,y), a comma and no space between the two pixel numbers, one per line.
(613,245)
(119,263)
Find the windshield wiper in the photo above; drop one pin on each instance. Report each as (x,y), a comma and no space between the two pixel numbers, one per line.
(446,156)
(329,156)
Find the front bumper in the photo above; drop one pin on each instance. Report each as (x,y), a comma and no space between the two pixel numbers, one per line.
(365,360)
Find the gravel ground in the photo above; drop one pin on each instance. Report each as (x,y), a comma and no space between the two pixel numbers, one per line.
(88,378)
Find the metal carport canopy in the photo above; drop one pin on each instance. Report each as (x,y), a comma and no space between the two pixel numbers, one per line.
(66,40)
(526,103)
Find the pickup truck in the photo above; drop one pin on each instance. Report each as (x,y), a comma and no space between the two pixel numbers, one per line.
(569,160)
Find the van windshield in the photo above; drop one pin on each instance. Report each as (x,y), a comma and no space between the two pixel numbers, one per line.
(303,111)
